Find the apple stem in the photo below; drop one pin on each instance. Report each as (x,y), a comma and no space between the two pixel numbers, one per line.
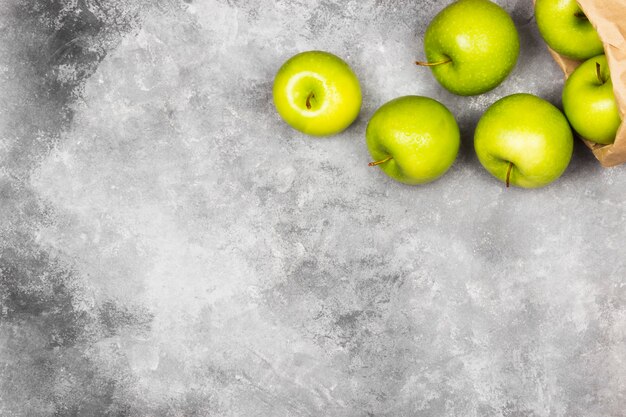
(599,73)
(508,175)
(382,161)
(308,100)
(580,14)
(432,64)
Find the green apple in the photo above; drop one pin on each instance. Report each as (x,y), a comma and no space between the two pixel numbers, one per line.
(413,139)
(589,102)
(524,140)
(566,29)
(317,93)
(471,46)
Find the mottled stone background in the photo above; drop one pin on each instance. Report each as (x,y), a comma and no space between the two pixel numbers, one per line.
(168,247)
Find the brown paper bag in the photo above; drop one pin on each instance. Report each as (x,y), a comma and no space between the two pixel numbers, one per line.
(609,19)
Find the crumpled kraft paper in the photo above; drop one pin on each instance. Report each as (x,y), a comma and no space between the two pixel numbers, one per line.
(609,19)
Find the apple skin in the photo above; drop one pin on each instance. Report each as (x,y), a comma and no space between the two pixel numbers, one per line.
(481,41)
(589,102)
(566,29)
(528,132)
(419,133)
(329,86)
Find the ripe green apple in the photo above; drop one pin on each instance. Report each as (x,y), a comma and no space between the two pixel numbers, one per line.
(413,139)
(589,102)
(317,93)
(566,29)
(471,46)
(524,140)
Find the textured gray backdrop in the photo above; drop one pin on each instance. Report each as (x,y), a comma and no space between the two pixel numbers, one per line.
(168,247)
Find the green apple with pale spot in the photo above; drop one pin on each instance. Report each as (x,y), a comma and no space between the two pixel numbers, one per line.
(566,29)
(589,102)
(413,139)
(471,46)
(524,140)
(317,93)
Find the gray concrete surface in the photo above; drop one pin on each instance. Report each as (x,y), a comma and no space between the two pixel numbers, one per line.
(170,248)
